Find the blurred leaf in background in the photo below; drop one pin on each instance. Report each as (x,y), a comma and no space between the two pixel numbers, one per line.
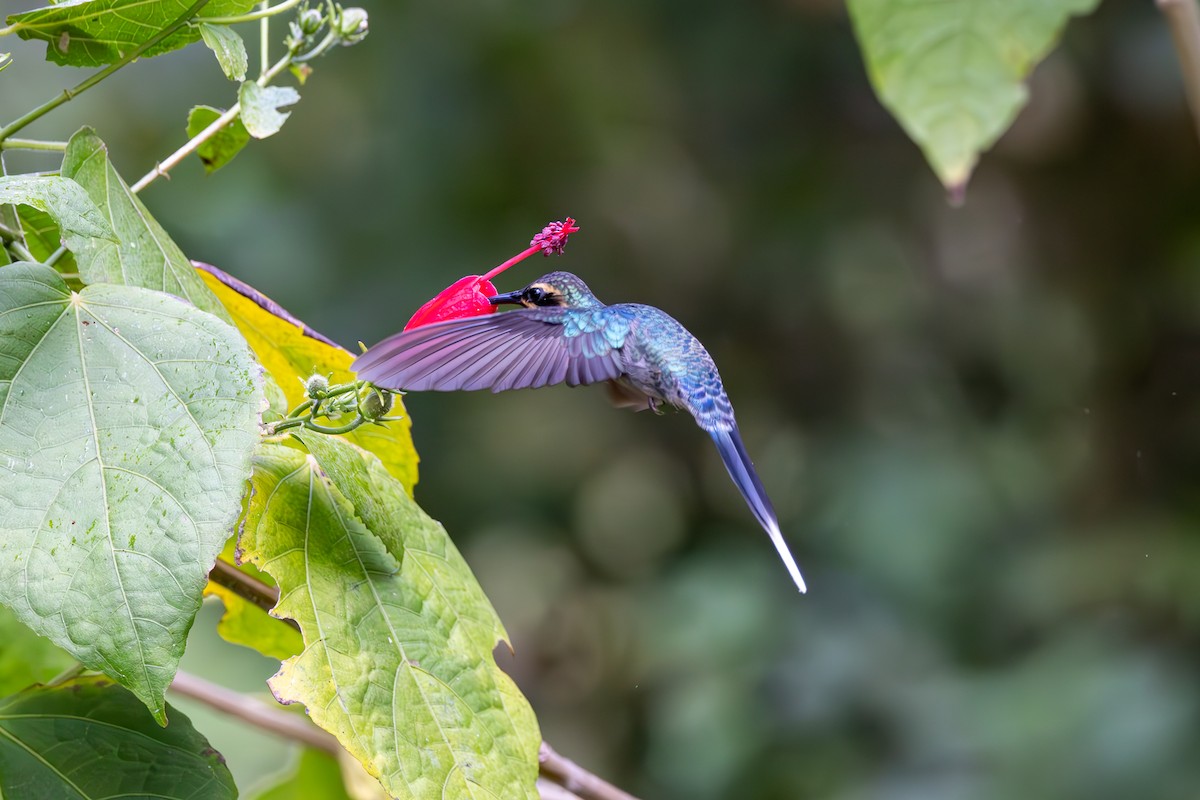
(953,72)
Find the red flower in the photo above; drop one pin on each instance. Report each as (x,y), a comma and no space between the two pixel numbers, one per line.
(468,297)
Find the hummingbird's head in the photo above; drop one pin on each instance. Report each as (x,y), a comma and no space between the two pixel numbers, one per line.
(553,289)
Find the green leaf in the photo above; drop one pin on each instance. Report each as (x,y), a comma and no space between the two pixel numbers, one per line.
(260,107)
(317,777)
(228,47)
(25,657)
(398,634)
(63,199)
(43,237)
(92,33)
(290,351)
(91,739)
(127,418)
(224,144)
(951,72)
(146,256)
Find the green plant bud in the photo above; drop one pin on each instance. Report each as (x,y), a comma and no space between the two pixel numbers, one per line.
(310,21)
(351,25)
(316,386)
(375,402)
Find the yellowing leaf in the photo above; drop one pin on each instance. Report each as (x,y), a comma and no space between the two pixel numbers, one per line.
(398,634)
(291,351)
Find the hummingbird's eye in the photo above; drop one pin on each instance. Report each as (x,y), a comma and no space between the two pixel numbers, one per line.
(534,294)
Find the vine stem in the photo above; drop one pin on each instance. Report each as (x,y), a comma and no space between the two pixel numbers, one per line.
(32,144)
(263,12)
(246,587)
(1183,17)
(552,791)
(66,94)
(552,766)
(53,258)
(193,144)
(20,251)
(576,779)
(258,714)
(264,41)
(11,240)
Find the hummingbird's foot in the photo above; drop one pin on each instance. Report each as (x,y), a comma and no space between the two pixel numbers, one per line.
(652,404)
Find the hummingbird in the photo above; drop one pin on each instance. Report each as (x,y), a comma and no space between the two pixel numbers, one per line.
(563,334)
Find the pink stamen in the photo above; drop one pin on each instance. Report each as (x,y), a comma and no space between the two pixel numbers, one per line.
(552,239)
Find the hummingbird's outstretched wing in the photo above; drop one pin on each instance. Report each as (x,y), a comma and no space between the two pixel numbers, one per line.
(520,349)
(741,469)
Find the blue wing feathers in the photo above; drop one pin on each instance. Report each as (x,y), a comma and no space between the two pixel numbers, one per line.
(514,350)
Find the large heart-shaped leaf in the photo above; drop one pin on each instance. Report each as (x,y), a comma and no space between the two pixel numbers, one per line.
(92,33)
(398,634)
(145,255)
(127,419)
(951,71)
(92,739)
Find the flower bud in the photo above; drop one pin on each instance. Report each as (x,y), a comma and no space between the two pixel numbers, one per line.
(310,21)
(351,25)
(374,402)
(315,386)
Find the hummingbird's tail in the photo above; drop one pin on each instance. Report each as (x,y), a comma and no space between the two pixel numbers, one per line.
(741,469)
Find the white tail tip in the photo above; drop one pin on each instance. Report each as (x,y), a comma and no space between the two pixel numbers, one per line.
(786,554)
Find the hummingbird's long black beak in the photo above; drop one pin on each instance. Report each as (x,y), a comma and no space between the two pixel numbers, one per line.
(513,298)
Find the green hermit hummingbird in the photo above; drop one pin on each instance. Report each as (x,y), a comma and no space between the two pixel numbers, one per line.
(563,334)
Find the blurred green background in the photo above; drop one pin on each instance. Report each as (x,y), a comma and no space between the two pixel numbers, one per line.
(979,424)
